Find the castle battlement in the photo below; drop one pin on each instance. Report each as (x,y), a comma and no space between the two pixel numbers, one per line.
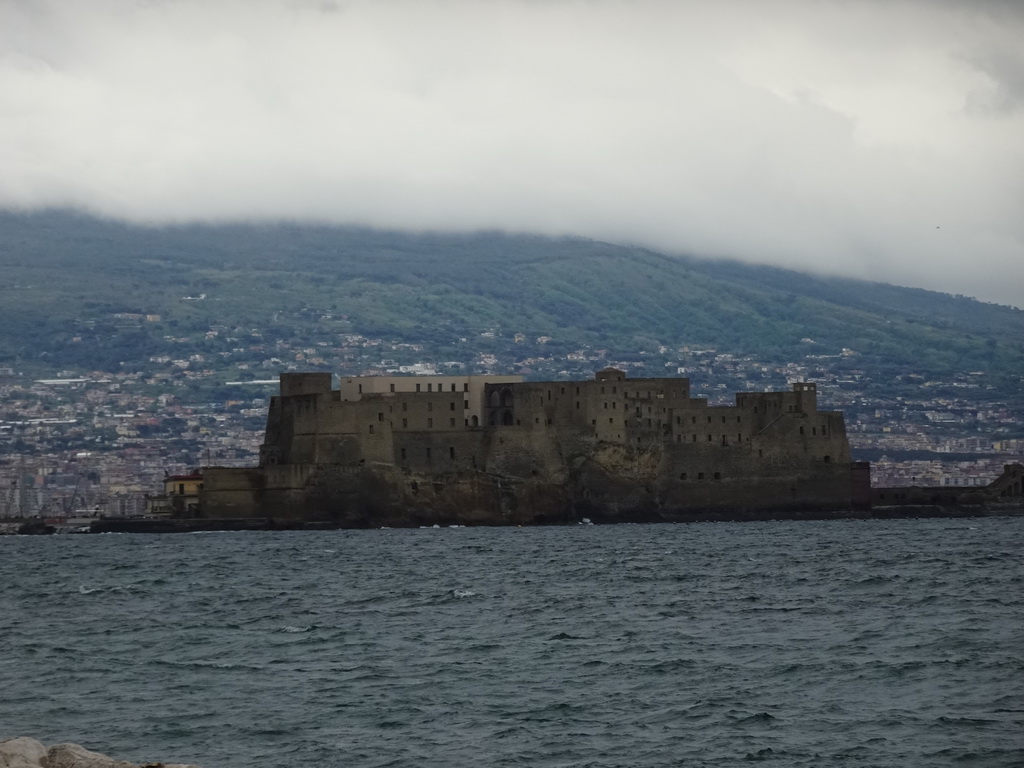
(499,449)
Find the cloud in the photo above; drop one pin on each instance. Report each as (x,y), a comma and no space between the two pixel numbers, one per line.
(879,140)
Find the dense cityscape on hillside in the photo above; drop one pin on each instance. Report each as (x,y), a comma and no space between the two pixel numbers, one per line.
(93,442)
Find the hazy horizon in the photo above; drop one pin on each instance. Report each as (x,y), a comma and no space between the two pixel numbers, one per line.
(877,141)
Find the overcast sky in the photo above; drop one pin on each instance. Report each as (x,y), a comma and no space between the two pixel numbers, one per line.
(882,140)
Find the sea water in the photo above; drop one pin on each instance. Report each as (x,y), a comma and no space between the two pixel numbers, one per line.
(852,643)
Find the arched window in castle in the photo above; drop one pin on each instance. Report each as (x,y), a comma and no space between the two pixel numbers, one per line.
(495,398)
(827,459)
(506,398)
(506,418)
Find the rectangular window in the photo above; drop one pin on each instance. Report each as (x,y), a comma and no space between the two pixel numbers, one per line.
(403,453)
(430,423)
(430,406)
(465,387)
(417,386)
(380,416)
(430,387)
(451,422)
(405,423)
(465,405)
(451,406)
(371,429)
(392,387)
(451,453)
(453,386)
(405,406)
(428,453)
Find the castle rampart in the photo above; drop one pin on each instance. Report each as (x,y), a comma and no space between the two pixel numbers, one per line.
(498,450)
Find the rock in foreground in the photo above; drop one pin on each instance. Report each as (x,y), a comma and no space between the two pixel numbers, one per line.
(29,753)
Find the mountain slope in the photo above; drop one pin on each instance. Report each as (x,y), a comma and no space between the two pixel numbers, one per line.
(67,277)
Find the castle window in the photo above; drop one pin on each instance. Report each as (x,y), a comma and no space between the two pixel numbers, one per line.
(718,475)
(451,422)
(549,422)
(549,394)
(451,406)
(739,420)
(430,423)
(739,437)
(709,419)
(693,420)
(593,422)
(613,390)
(602,390)
(405,423)
(577,405)
(700,475)
(605,406)
(403,453)
(801,430)
(694,439)
(536,420)
(428,453)
(682,475)
(371,429)
(577,390)
(814,431)
(465,387)
(561,391)
(392,387)
(453,386)
(380,416)
(755,409)
(430,406)
(614,404)
(723,419)
(405,406)
(610,421)
(417,386)
(679,438)
(710,438)
(465,405)
(451,452)
(360,389)
(827,459)
(430,387)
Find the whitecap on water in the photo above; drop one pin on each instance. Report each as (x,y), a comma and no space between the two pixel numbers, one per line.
(296,629)
(462,593)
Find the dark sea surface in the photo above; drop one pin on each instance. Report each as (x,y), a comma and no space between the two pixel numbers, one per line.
(847,643)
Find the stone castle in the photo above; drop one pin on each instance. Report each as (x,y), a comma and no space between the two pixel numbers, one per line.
(492,450)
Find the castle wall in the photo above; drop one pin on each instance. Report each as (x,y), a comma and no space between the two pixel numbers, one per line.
(503,450)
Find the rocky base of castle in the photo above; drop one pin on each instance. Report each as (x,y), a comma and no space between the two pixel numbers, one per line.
(28,753)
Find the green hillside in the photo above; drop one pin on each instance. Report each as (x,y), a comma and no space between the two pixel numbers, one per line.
(68,276)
